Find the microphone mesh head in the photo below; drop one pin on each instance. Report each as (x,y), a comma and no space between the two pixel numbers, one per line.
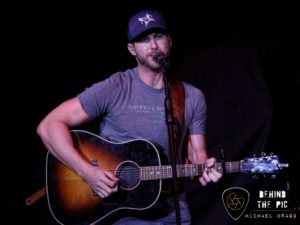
(160,58)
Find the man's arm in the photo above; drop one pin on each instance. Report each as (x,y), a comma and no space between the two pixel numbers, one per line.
(197,155)
(55,134)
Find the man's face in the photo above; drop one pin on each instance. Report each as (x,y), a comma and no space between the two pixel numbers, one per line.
(144,47)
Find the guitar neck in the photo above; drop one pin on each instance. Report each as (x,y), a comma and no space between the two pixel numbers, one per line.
(184,170)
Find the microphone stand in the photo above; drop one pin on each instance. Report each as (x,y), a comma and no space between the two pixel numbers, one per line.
(172,142)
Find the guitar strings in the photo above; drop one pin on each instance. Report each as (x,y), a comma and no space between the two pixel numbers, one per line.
(156,171)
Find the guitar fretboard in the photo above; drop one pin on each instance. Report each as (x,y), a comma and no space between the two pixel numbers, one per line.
(184,170)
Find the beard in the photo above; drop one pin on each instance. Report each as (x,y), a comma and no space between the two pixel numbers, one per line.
(148,63)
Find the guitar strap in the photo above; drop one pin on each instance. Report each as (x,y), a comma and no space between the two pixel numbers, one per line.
(178,103)
(177,94)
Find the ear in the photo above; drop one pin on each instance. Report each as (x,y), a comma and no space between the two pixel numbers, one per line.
(131,49)
(170,40)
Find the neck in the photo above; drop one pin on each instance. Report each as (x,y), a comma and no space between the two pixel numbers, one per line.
(152,78)
(185,170)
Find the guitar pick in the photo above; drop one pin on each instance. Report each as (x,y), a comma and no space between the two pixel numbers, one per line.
(235,200)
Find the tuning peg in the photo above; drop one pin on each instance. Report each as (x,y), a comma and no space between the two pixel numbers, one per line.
(273,176)
(255,177)
(263,154)
(271,153)
(283,165)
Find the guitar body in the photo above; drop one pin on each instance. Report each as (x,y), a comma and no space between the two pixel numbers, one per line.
(72,201)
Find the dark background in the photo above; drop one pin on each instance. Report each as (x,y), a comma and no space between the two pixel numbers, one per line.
(245,58)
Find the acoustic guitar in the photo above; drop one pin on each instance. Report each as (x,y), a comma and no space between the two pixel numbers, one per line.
(143,173)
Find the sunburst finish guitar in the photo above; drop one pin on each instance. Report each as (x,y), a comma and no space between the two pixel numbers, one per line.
(143,172)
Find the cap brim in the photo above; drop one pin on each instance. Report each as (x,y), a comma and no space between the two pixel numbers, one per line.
(148,31)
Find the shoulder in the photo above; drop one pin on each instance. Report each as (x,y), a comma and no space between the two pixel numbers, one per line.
(123,76)
(191,90)
(114,81)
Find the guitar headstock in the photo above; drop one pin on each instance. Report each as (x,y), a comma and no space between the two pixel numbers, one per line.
(262,165)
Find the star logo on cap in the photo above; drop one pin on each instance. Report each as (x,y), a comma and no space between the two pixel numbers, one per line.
(146,19)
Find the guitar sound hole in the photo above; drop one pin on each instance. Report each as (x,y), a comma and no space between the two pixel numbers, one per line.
(128,174)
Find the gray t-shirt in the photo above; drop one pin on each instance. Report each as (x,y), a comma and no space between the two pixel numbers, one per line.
(130,109)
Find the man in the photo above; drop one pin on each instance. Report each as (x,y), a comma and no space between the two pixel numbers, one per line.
(130,105)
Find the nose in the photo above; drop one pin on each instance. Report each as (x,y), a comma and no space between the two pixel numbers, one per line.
(153,43)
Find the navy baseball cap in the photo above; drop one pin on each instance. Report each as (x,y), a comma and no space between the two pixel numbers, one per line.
(143,22)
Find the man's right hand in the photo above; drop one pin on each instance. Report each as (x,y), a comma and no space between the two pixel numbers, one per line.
(103,182)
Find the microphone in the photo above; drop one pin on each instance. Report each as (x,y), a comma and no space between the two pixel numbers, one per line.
(160,58)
